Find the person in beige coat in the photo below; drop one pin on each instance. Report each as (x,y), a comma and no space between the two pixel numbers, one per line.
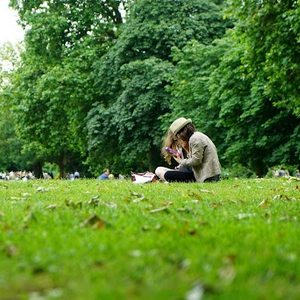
(202,162)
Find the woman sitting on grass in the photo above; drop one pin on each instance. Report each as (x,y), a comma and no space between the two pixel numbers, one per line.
(202,162)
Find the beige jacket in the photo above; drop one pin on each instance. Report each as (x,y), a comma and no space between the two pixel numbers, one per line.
(203,157)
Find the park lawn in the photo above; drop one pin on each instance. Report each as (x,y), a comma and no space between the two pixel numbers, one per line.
(90,239)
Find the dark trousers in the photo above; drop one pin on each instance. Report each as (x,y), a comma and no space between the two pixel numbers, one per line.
(187,176)
(179,176)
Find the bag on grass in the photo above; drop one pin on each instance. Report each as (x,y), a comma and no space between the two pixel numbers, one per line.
(142,177)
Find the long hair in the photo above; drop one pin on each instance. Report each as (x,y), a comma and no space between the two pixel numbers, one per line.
(171,142)
(186,132)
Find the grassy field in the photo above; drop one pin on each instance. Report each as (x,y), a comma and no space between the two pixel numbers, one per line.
(90,239)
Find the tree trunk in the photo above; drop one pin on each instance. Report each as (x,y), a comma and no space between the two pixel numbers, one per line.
(38,170)
(62,167)
(154,159)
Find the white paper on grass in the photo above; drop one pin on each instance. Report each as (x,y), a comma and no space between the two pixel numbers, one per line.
(143,179)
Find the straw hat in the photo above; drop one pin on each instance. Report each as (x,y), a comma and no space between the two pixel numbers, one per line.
(178,124)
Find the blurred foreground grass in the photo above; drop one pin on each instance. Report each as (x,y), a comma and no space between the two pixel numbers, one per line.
(90,239)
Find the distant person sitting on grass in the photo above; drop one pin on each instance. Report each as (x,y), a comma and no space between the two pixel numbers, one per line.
(104,175)
(281,172)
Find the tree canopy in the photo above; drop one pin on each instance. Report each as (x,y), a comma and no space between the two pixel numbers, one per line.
(98,83)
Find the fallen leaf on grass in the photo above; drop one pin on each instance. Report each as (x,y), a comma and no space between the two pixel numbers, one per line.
(41,189)
(29,217)
(17,198)
(196,292)
(229,259)
(145,228)
(99,224)
(95,222)
(156,227)
(109,204)
(190,231)
(195,195)
(184,209)
(94,201)
(99,263)
(288,219)
(51,206)
(46,294)
(245,216)
(290,198)
(227,273)
(141,197)
(26,194)
(216,204)
(263,204)
(73,205)
(203,223)
(206,191)
(191,201)
(284,197)
(164,208)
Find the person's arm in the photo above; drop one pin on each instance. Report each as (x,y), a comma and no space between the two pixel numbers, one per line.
(197,148)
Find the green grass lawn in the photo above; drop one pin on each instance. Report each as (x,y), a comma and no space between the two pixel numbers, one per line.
(90,239)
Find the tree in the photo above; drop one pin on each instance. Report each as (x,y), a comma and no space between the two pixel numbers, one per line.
(271,32)
(55,91)
(10,144)
(258,134)
(229,87)
(128,128)
(131,78)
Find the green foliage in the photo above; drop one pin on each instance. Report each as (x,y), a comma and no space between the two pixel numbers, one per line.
(131,80)
(93,91)
(89,239)
(271,33)
(54,91)
(250,116)
(227,101)
(10,144)
(127,130)
(237,171)
(191,86)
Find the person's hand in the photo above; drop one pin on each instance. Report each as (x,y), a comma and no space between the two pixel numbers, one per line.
(177,158)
